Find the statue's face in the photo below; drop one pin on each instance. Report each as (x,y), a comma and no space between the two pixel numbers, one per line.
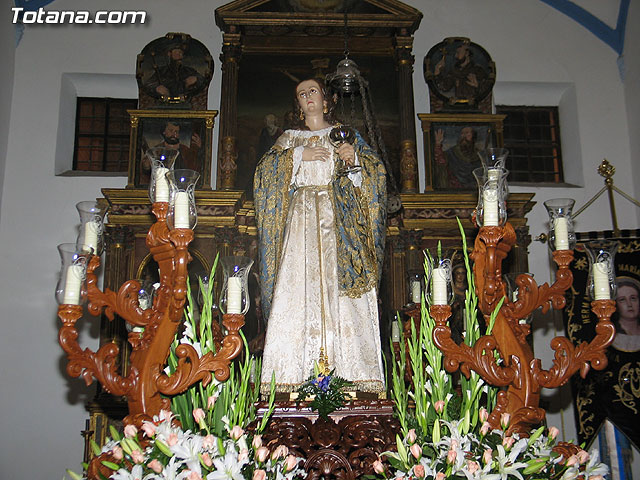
(310,97)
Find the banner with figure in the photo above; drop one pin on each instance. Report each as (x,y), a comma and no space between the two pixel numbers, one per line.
(614,392)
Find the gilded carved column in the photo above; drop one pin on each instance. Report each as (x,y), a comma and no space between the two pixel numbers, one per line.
(408,162)
(231,52)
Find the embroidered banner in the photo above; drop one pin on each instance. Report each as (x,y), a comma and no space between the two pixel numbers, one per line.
(614,392)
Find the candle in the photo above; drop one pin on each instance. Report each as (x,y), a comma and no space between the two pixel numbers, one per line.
(561,228)
(493,174)
(234,295)
(490,200)
(162,186)
(90,240)
(439,286)
(601,281)
(395,331)
(416,291)
(72,285)
(181,212)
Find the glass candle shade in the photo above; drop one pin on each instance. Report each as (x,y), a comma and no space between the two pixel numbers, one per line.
(90,235)
(601,283)
(439,280)
(561,232)
(492,192)
(69,289)
(235,286)
(415,287)
(182,203)
(161,161)
(494,157)
(145,298)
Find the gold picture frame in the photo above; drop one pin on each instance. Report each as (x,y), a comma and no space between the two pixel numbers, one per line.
(451,146)
(195,134)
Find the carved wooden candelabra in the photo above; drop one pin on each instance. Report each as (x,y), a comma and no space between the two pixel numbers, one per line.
(146,382)
(519,371)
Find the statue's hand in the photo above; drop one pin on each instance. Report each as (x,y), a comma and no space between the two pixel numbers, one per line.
(310,154)
(347,153)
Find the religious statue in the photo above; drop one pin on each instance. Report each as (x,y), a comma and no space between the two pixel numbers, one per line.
(320,212)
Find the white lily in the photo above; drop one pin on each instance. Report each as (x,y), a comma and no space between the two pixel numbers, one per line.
(188,451)
(228,468)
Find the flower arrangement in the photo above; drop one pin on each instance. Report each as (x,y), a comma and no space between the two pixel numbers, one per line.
(205,436)
(446,435)
(327,391)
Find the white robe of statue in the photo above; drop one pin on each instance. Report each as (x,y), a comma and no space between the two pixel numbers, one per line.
(306,299)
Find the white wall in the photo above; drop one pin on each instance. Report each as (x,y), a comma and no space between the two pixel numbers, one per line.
(7,52)
(43,410)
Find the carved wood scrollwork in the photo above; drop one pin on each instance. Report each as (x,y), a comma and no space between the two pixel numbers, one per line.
(146,381)
(344,449)
(519,371)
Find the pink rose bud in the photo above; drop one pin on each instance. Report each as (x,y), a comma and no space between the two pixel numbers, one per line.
(415,450)
(378,467)
(411,435)
(583,456)
(136,456)
(487,456)
(155,465)
(236,432)
(451,456)
(243,455)
(172,439)
(198,415)
(257,441)
(454,443)
(149,429)
(483,415)
(507,442)
(259,474)
(419,470)
(130,431)
(440,476)
(281,451)
(290,463)
(485,428)
(596,477)
(439,406)
(208,442)
(117,453)
(504,420)
(206,459)
(572,460)
(262,454)
(194,476)
(211,401)
(553,432)
(472,466)
(165,415)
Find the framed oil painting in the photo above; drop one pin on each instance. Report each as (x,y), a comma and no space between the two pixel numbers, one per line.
(460,74)
(453,144)
(189,131)
(266,87)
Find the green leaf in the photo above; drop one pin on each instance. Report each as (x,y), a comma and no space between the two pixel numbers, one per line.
(74,475)
(163,447)
(114,433)
(436,431)
(402,451)
(95,448)
(111,465)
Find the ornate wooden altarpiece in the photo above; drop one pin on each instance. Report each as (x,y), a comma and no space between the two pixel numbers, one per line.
(258,28)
